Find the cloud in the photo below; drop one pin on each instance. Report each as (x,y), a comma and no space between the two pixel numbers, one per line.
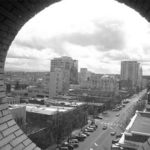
(107,35)
(27,65)
(85,31)
(115,55)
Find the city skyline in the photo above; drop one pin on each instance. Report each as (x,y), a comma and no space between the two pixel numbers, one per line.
(98,39)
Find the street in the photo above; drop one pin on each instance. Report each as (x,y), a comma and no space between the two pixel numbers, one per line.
(101,139)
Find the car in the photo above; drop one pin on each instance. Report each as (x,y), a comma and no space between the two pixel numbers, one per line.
(82,134)
(117,115)
(93,126)
(74,142)
(63,148)
(78,137)
(104,127)
(112,133)
(89,129)
(66,144)
(119,108)
(119,135)
(115,141)
(86,133)
(116,146)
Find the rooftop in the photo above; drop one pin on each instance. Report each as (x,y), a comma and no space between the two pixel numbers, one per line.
(138,126)
(141,124)
(51,110)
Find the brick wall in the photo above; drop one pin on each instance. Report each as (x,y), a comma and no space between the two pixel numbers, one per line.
(13,15)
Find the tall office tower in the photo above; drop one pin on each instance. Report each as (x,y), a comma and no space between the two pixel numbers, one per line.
(67,64)
(84,76)
(59,82)
(130,71)
(74,72)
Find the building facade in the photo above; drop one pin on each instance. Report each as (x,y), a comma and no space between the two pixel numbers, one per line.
(131,74)
(109,84)
(66,64)
(59,82)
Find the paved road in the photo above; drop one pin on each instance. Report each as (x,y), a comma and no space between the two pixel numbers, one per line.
(101,139)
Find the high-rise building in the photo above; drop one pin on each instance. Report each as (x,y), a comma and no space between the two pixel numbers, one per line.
(131,72)
(64,71)
(66,64)
(84,76)
(59,82)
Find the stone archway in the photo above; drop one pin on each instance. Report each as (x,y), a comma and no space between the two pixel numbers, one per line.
(13,15)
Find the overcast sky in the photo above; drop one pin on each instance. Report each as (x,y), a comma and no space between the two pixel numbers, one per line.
(99,34)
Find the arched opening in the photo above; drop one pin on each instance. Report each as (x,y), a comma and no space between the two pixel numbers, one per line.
(13,16)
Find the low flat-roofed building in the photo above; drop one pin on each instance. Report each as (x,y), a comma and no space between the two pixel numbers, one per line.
(41,109)
(63,102)
(137,132)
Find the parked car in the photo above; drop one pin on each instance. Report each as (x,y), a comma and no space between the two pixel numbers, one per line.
(115,141)
(74,142)
(78,137)
(66,144)
(112,133)
(116,147)
(82,134)
(93,126)
(104,127)
(117,115)
(63,148)
(119,135)
(90,129)
(87,133)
